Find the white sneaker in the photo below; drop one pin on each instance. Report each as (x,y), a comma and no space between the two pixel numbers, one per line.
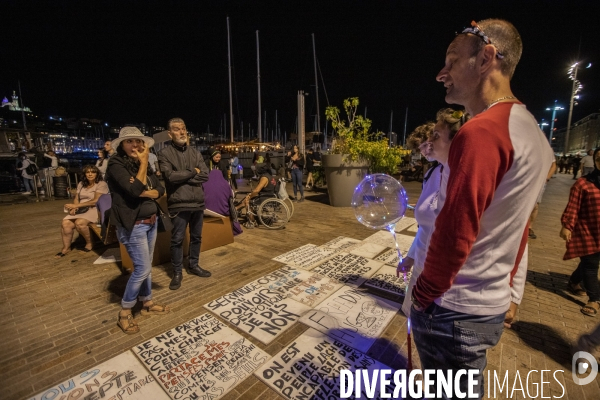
(26,193)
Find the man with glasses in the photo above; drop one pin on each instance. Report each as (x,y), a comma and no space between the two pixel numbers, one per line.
(498,163)
(184,171)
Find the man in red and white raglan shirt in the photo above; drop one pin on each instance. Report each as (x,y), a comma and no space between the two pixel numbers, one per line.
(498,163)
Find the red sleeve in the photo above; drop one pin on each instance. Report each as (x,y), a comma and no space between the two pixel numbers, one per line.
(478,160)
(569,217)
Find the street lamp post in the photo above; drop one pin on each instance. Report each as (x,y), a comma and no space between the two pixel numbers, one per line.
(576,87)
(554,109)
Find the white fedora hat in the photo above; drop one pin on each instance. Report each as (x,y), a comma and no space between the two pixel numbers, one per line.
(131,132)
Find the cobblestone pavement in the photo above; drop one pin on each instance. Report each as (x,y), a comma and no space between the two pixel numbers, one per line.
(59,316)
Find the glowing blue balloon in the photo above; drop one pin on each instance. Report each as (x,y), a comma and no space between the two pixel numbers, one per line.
(379,201)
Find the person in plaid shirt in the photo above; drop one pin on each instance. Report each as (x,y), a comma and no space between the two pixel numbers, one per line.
(581,230)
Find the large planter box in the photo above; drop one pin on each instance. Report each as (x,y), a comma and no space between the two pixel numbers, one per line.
(342,178)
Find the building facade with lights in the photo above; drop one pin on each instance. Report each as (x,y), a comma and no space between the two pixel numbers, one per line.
(584,136)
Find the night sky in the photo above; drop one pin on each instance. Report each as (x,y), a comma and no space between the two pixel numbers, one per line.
(148,61)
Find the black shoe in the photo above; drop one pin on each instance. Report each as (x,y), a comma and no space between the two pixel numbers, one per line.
(200,272)
(176,281)
(301,199)
(531,234)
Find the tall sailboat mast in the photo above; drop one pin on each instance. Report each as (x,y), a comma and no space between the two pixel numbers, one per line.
(316,84)
(258,77)
(230,96)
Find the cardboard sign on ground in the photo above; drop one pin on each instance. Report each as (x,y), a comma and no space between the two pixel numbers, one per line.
(201,359)
(385,238)
(386,279)
(308,368)
(262,313)
(354,317)
(349,269)
(123,377)
(304,257)
(305,287)
(368,250)
(404,223)
(341,243)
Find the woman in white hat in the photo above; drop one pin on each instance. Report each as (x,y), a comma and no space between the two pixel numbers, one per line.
(133,188)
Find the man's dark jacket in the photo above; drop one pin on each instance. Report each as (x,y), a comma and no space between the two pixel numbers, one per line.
(184,186)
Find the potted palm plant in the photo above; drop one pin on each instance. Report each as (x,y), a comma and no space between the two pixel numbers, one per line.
(355,152)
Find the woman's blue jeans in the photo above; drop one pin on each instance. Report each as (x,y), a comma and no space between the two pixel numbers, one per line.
(139,243)
(28,183)
(297,181)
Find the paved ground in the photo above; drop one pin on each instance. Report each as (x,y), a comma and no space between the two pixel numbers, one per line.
(59,316)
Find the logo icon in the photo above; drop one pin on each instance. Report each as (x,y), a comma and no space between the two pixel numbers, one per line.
(582,367)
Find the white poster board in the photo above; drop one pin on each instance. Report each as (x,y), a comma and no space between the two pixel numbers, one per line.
(200,359)
(368,250)
(123,377)
(305,256)
(306,287)
(348,269)
(262,313)
(385,238)
(341,243)
(404,223)
(354,317)
(308,368)
(386,279)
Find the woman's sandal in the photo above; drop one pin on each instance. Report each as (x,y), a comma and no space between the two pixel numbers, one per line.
(576,290)
(155,308)
(128,324)
(590,310)
(61,254)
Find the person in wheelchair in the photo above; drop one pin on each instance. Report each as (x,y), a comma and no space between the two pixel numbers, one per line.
(265,189)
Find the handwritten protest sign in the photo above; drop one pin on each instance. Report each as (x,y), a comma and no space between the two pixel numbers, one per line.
(308,368)
(349,269)
(368,249)
(262,313)
(354,317)
(341,243)
(201,359)
(386,279)
(305,287)
(304,257)
(385,238)
(122,377)
(404,223)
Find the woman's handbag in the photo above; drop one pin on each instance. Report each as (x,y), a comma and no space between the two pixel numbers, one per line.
(164,219)
(81,210)
(31,169)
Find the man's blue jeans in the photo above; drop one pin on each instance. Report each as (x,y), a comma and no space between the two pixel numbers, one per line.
(448,339)
(139,243)
(180,222)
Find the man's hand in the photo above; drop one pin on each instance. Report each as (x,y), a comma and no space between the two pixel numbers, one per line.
(510,315)
(404,266)
(565,234)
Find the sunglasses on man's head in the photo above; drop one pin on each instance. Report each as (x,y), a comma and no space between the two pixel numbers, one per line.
(476,30)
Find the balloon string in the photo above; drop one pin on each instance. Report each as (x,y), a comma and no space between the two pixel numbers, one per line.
(392,230)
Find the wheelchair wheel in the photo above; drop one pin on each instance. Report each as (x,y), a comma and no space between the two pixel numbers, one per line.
(290,205)
(273,213)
